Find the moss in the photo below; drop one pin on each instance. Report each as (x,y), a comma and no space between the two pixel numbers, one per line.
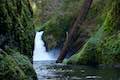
(15,66)
(16,40)
(103,47)
(16,21)
(9,70)
(60,22)
(109,48)
(24,63)
(88,54)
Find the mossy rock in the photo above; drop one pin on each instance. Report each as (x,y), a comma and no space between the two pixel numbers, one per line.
(16,25)
(15,67)
(16,33)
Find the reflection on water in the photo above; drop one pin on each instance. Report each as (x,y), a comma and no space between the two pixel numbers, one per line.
(49,70)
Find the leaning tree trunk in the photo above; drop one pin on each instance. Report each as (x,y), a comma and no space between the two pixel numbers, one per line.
(71,36)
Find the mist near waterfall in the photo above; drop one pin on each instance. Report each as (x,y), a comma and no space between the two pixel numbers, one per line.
(40,53)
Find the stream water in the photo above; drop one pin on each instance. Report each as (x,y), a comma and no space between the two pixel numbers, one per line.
(46,68)
(49,70)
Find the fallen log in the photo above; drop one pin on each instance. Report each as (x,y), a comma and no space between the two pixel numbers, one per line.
(71,35)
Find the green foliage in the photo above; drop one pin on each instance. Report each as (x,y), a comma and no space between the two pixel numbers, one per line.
(15,66)
(63,18)
(60,22)
(104,46)
(112,21)
(110,50)
(17,33)
(16,25)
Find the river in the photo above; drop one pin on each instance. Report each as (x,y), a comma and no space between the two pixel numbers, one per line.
(49,70)
(46,68)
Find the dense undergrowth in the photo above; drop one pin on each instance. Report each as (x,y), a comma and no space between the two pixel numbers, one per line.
(64,17)
(103,47)
(16,40)
(101,24)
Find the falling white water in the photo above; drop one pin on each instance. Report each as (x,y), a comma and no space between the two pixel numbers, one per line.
(40,50)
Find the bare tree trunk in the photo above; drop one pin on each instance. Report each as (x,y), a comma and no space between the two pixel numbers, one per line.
(71,36)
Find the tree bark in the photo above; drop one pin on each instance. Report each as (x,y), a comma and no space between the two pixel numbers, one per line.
(71,36)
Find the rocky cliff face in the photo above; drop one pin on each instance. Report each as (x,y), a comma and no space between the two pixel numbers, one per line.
(16,40)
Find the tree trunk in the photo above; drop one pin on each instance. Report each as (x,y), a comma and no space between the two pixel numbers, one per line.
(71,36)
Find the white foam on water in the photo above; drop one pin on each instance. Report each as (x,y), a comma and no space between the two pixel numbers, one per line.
(40,53)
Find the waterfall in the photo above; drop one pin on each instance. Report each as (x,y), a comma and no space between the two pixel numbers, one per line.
(40,53)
